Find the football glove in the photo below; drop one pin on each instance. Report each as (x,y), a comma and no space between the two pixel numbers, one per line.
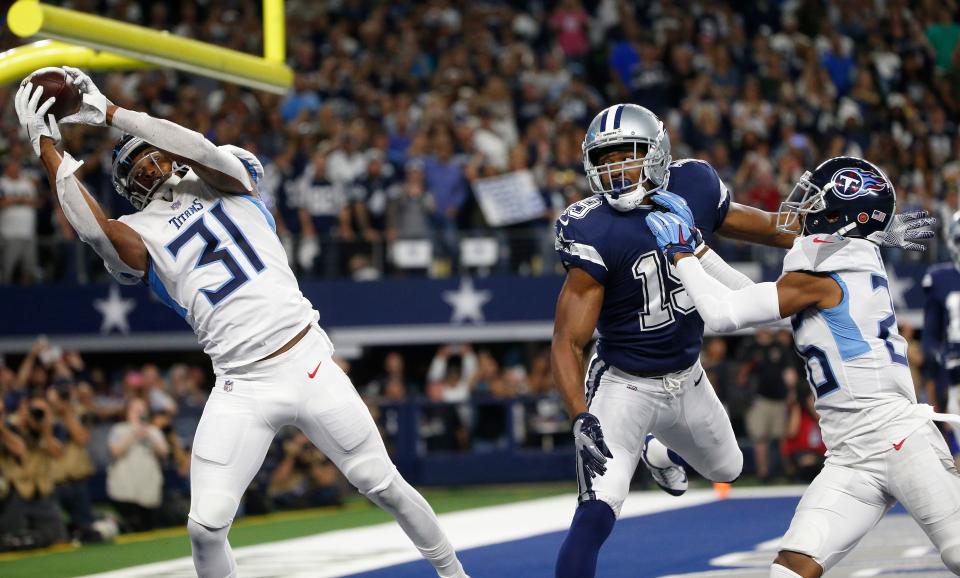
(673,234)
(906,228)
(34,117)
(592,452)
(675,204)
(93,108)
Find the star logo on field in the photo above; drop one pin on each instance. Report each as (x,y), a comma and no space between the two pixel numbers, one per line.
(467,302)
(899,287)
(115,310)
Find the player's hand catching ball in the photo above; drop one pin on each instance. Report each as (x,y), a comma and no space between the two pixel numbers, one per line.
(673,234)
(905,229)
(34,117)
(93,108)
(592,451)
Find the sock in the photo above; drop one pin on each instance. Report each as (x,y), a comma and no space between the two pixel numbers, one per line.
(778,571)
(418,521)
(592,524)
(660,456)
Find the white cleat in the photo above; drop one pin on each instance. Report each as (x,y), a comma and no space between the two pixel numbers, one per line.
(672,480)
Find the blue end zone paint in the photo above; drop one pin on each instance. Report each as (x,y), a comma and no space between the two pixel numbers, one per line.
(640,547)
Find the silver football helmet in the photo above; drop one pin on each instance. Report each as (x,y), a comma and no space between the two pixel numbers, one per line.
(634,129)
(951,232)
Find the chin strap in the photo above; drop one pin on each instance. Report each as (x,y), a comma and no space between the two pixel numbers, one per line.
(84,222)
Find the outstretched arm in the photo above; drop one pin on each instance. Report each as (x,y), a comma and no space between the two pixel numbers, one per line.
(216,165)
(121,248)
(744,223)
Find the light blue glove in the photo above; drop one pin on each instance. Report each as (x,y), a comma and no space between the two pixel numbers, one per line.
(673,234)
(676,205)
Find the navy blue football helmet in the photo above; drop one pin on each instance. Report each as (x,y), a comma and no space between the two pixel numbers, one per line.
(844,196)
(126,169)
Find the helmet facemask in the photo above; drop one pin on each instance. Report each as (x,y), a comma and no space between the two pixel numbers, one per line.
(804,199)
(140,181)
(613,179)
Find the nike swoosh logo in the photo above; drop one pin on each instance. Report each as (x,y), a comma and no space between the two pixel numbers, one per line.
(697,382)
(899,445)
(822,241)
(313,373)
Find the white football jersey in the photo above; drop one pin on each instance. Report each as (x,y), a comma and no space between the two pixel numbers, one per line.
(855,357)
(215,259)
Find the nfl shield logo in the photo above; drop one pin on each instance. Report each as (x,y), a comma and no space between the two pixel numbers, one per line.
(228,385)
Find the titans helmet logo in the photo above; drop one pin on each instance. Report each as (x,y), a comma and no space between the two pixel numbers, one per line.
(852,183)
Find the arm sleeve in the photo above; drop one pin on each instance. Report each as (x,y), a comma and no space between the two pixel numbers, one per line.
(720,270)
(84,222)
(184,142)
(724,310)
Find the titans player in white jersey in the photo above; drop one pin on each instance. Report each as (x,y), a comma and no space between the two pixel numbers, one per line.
(203,241)
(883,446)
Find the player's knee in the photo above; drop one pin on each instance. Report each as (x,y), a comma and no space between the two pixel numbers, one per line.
(205,539)
(727,471)
(213,509)
(371,476)
(951,558)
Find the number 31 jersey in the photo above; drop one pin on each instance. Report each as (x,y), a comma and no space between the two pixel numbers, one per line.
(855,358)
(647,322)
(215,259)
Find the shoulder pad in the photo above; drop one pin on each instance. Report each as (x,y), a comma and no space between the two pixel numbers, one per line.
(830,253)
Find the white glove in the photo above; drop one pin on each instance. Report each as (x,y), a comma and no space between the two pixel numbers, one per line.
(906,228)
(33,118)
(93,108)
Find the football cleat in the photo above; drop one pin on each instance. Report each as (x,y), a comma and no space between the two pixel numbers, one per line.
(672,480)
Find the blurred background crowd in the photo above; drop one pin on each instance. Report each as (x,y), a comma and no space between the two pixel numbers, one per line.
(400,109)
(399,112)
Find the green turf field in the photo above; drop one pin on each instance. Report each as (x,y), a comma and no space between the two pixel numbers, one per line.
(134,549)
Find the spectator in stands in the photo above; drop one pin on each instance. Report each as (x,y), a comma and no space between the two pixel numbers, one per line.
(803,450)
(304,478)
(176,473)
(770,364)
(440,425)
(323,212)
(392,384)
(408,216)
(453,367)
(135,478)
(446,182)
(372,194)
(74,468)
(19,202)
(722,372)
(31,512)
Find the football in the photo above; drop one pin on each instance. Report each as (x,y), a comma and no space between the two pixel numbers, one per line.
(59,84)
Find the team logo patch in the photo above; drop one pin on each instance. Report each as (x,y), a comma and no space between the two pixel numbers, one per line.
(228,385)
(852,183)
(175,205)
(863,218)
(879,216)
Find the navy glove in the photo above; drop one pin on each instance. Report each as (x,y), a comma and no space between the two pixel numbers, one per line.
(675,204)
(592,452)
(673,234)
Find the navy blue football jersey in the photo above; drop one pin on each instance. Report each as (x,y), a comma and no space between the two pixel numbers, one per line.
(941,321)
(647,323)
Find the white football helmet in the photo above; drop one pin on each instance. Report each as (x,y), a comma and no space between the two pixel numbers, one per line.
(632,128)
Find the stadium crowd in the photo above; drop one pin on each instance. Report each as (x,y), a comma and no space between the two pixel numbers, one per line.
(399,109)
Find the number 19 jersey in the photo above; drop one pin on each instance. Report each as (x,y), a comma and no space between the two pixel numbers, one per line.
(856,360)
(216,260)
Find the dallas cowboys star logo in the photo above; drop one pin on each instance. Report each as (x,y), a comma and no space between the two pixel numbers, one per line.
(115,310)
(467,302)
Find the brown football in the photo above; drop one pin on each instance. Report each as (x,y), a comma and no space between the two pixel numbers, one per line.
(57,83)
